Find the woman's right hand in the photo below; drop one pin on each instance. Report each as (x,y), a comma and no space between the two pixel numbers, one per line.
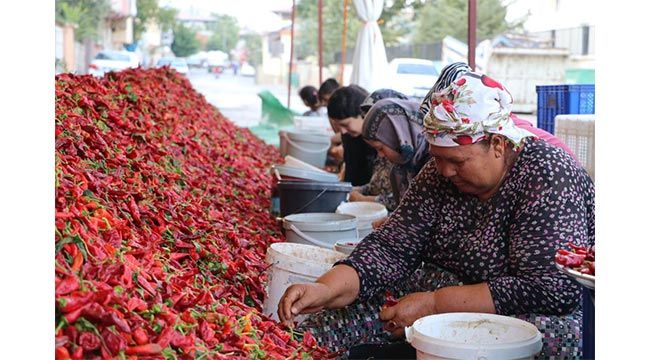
(377,223)
(303,299)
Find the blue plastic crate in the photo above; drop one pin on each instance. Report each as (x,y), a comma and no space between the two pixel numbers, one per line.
(563,99)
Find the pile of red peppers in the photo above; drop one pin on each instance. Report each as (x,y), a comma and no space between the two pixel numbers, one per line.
(162,225)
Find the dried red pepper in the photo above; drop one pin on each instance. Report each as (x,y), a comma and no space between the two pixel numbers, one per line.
(161,223)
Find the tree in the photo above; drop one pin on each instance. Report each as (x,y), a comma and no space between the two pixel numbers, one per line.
(396,20)
(185,41)
(254,47)
(439,18)
(225,33)
(148,10)
(86,14)
(167,18)
(307,28)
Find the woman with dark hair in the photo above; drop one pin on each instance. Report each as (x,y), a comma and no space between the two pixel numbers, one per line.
(379,189)
(326,90)
(345,117)
(309,96)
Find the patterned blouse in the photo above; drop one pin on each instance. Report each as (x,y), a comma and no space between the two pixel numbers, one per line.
(379,184)
(509,241)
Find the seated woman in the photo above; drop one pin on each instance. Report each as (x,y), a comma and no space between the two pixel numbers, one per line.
(379,188)
(309,96)
(393,127)
(491,208)
(345,116)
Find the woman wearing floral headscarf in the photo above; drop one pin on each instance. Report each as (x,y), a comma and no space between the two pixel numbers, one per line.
(490,208)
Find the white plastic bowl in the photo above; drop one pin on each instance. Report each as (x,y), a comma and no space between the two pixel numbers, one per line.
(473,336)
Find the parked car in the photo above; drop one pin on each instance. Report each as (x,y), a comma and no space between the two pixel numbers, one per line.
(247,70)
(177,64)
(108,60)
(413,77)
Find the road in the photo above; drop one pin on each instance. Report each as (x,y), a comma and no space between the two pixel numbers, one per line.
(236,96)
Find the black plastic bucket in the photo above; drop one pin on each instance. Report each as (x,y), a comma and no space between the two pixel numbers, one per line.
(298,197)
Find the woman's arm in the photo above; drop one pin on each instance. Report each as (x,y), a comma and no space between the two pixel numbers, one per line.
(335,289)
(392,252)
(465,298)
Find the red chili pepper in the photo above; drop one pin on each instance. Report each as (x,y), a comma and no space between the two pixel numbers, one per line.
(115,343)
(77,262)
(140,336)
(89,341)
(61,353)
(67,285)
(78,353)
(390,299)
(148,349)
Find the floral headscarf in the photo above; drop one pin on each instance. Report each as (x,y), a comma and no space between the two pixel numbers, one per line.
(468,110)
(378,95)
(447,75)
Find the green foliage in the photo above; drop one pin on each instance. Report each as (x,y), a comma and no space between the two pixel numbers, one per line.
(149,10)
(395,23)
(185,41)
(396,20)
(225,33)
(254,46)
(306,40)
(167,18)
(439,18)
(86,14)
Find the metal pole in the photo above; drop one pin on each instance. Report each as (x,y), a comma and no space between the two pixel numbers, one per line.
(320,41)
(471,34)
(293,20)
(343,41)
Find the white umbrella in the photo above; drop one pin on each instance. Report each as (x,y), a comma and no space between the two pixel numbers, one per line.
(370,66)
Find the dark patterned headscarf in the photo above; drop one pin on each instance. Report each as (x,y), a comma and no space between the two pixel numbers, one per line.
(398,125)
(378,95)
(447,75)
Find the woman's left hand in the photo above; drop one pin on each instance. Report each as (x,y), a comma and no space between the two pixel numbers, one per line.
(408,309)
(357,196)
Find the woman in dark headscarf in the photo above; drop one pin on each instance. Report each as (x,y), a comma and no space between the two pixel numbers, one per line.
(378,189)
(393,127)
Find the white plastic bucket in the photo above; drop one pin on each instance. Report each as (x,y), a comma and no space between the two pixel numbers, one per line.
(366,212)
(310,147)
(320,229)
(294,264)
(295,163)
(473,336)
(283,172)
(346,246)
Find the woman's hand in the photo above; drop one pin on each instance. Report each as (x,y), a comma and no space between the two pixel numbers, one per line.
(408,309)
(336,152)
(377,223)
(357,196)
(303,299)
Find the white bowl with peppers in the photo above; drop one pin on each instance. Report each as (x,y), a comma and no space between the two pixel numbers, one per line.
(579,262)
